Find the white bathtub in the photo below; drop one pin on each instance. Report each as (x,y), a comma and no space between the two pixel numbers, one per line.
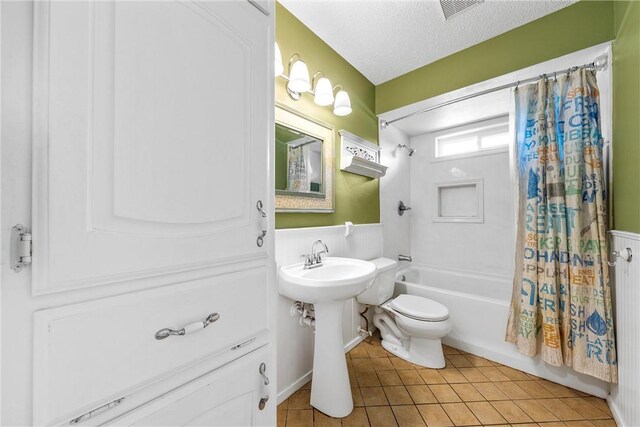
(478,305)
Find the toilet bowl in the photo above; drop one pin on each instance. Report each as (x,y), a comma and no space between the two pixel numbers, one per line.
(411,326)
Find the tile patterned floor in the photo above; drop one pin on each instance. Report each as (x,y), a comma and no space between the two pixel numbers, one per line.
(469,391)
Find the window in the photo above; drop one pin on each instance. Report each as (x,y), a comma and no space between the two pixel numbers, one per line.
(483,137)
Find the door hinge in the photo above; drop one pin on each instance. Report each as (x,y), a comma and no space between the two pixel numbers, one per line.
(20,250)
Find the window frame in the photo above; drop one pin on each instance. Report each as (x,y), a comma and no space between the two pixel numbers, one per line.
(469,128)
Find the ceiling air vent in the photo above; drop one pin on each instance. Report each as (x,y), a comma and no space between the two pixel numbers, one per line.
(451,8)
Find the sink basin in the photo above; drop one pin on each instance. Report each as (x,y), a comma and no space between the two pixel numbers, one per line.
(337,280)
(327,288)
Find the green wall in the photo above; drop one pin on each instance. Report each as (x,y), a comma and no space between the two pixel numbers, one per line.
(576,27)
(357,197)
(626,117)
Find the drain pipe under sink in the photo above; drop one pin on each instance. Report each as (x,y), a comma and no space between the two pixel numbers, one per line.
(299,309)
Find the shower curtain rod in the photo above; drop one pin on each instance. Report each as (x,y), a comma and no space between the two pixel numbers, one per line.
(303,144)
(599,64)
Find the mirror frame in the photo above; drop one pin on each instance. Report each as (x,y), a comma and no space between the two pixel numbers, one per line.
(312,202)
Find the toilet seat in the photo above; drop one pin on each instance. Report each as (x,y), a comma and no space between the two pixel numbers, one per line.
(419,308)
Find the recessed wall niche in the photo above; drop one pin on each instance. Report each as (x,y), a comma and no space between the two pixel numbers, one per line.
(460,201)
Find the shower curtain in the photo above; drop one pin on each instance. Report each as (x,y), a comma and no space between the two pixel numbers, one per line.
(561,302)
(299,178)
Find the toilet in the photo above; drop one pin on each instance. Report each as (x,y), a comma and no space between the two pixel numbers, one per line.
(411,326)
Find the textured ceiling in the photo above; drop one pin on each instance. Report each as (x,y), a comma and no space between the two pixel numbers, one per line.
(384,39)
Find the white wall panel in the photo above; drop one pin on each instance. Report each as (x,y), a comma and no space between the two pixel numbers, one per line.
(625,396)
(486,247)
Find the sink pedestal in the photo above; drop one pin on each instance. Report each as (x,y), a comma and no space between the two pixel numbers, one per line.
(330,388)
(328,287)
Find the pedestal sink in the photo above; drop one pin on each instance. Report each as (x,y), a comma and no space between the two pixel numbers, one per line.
(327,288)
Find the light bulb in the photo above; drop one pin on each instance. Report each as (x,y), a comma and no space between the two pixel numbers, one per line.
(323,92)
(278,61)
(342,104)
(299,77)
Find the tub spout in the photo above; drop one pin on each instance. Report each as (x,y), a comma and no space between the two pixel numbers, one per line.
(405,258)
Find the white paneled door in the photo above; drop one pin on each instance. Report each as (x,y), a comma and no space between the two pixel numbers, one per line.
(135,147)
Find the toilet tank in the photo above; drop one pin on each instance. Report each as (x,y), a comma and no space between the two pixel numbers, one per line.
(383,285)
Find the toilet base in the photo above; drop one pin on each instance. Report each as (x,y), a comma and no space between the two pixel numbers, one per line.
(415,341)
(421,351)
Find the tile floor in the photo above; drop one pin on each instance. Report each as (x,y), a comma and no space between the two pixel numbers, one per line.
(469,391)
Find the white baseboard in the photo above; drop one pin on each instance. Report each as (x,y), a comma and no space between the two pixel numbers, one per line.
(615,412)
(354,342)
(297,385)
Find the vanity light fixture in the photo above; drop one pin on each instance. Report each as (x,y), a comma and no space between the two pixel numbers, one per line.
(298,82)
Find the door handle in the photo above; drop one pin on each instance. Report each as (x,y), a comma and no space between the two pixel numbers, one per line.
(263,223)
(189,329)
(263,400)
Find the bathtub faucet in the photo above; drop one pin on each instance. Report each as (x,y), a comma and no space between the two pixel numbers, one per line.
(405,258)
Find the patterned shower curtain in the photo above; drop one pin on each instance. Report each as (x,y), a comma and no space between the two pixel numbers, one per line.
(299,175)
(561,303)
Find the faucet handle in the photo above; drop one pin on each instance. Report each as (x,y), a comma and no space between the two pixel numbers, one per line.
(307,259)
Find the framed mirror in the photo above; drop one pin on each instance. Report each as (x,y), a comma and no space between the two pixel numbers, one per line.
(303,163)
(298,163)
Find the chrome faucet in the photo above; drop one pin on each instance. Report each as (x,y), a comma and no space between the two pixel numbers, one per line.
(315,259)
(405,258)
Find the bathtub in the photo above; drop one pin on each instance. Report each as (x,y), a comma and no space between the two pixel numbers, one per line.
(478,306)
